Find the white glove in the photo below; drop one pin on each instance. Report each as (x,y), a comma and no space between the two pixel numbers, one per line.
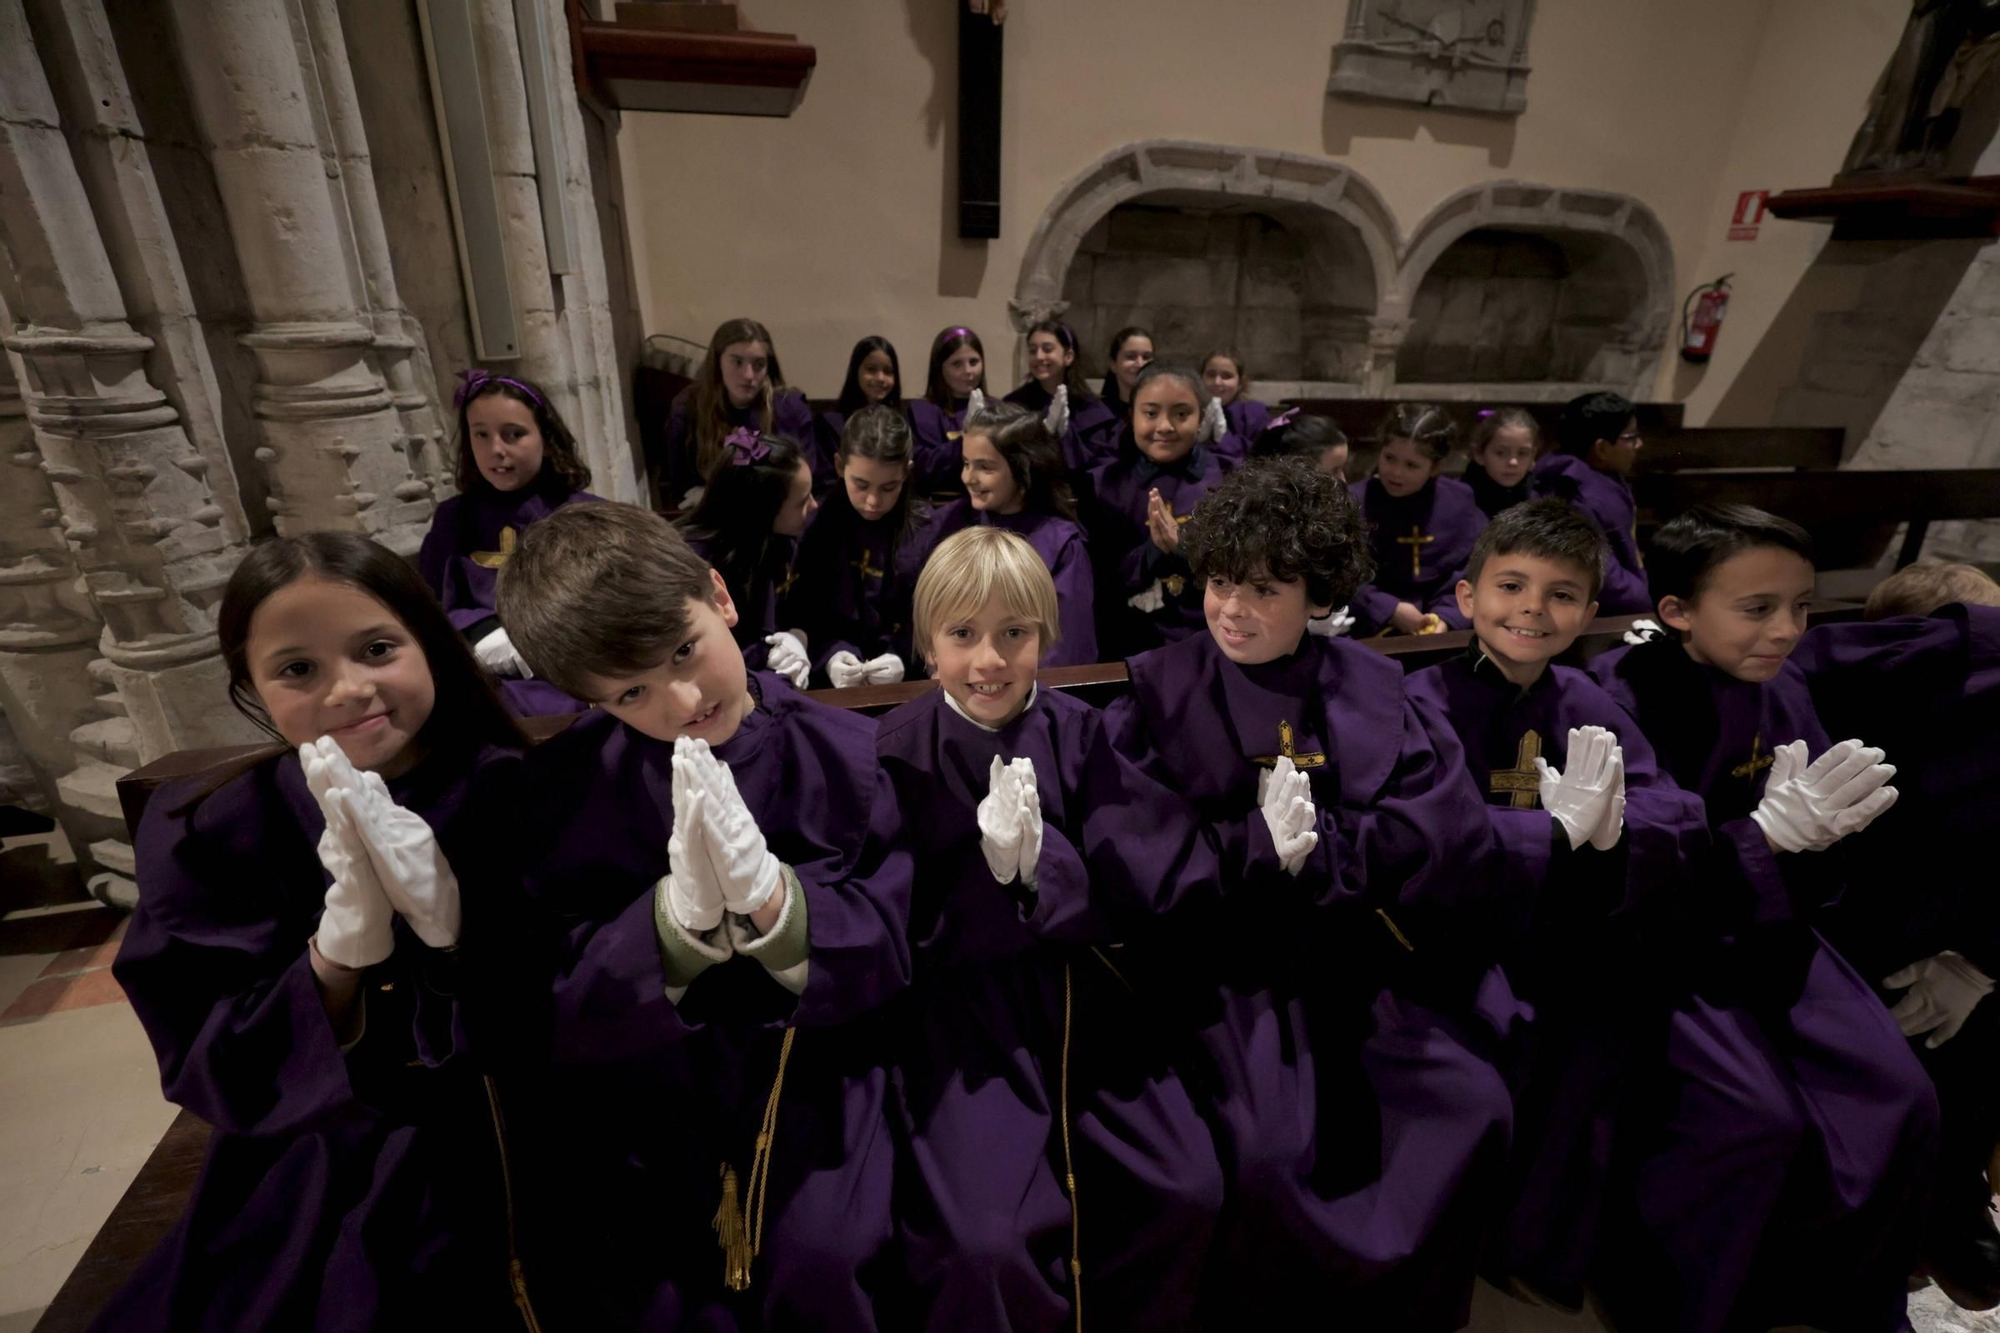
(1057,417)
(1331,625)
(1643,631)
(975,403)
(845,670)
(496,653)
(1214,423)
(741,862)
(694,895)
(1580,799)
(1000,821)
(1606,835)
(1810,808)
(357,928)
(415,877)
(1149,601)
(1029,813)
(692,498)
(1285,797)
(1943,991)
(788,657)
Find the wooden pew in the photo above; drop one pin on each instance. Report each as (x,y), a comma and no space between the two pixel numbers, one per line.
(1359,418)
(1805,448)
(154,1201)
(1849,513)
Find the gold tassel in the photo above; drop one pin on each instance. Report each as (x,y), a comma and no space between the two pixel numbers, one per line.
(1069,1167)
(730,1234)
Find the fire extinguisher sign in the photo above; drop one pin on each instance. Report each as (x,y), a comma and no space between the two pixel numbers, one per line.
(1743,223)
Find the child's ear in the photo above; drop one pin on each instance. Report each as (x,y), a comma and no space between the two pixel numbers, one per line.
(1590,613)
(1600,453)
(839,463)
(1674,614)
(1465,598)
(718,593)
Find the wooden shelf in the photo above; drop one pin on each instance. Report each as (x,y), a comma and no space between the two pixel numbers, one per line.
(1912,207)
(636,68)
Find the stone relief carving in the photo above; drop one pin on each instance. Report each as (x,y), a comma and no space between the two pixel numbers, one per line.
(1947,48)
(1470,55)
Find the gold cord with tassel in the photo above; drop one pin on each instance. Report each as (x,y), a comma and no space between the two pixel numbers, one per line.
(517,1275)
(739,1228)
(1069,1167)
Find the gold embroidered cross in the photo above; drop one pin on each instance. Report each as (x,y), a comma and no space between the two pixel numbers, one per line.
(1288,749)
(1416,541)
(1757,762)
(1521,783)
(1173,583)
(868,571)
(495,559)
(785,584)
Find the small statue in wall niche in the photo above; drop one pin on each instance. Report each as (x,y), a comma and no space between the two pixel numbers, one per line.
(994,9)
(1948,47)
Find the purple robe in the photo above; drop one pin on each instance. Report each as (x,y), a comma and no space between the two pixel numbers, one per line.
(1347,1032)
(940,455)
(1060,544)
(791,417)
(343,1190)
(1591,927)
(1493,498)
(760,600)
(1421,543)
(1247,419)
(1785,1075)
(1128,563)
(1606,500)
(652,1097)
(851,594)
(1090,439)
(986,1225)
(470,539)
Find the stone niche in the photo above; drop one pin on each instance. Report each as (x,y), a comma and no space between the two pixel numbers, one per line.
(1503,306)
(1289,286)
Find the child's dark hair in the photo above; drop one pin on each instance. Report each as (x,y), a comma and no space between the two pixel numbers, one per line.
(947,342)
(563,469)
(711,401)
(1425,425)
(1079,389)
(1298,435)
(1553,530)
(1593,417)
(1686,551)
(1166,370)
(882,434)
(466,714)
(1032,454)
(1504,418)
(1284,518)
(851,398)
(740,504)
(1118,341)
(628,565)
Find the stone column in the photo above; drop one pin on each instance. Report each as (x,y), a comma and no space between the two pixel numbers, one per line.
(1385,338)
(333,444)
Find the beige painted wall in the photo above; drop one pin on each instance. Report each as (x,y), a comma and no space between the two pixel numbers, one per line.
(839,221)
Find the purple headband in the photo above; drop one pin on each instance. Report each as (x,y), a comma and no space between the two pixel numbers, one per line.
(746,446)
(470,382)
(956,331)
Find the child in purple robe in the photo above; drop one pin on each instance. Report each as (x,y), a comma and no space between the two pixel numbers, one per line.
(1228,380)
(852,596)
(1296,434)
(298,958)
(1421,527)
(739,388)
(874,378)
(1920,677)
(1086,427)
(957,371)
(1146,594)
(747,526)
(1346,1028)
(517,461)
(729,862)
(1014,479)
(1784,1183)
(1597,442)
(1131,351)
(1501,470)
(1597,846)
(1044,1118)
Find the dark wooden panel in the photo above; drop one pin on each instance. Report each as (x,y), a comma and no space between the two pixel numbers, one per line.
(1669,450)
(1809,498)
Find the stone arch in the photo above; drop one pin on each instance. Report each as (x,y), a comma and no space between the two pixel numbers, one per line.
(1618,234)
(1174,170)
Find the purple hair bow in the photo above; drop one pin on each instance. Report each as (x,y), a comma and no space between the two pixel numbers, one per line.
(470,382)
(746,446)
(1283,419)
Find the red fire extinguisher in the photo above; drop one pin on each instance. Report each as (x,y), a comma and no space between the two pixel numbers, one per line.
(1700,330)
